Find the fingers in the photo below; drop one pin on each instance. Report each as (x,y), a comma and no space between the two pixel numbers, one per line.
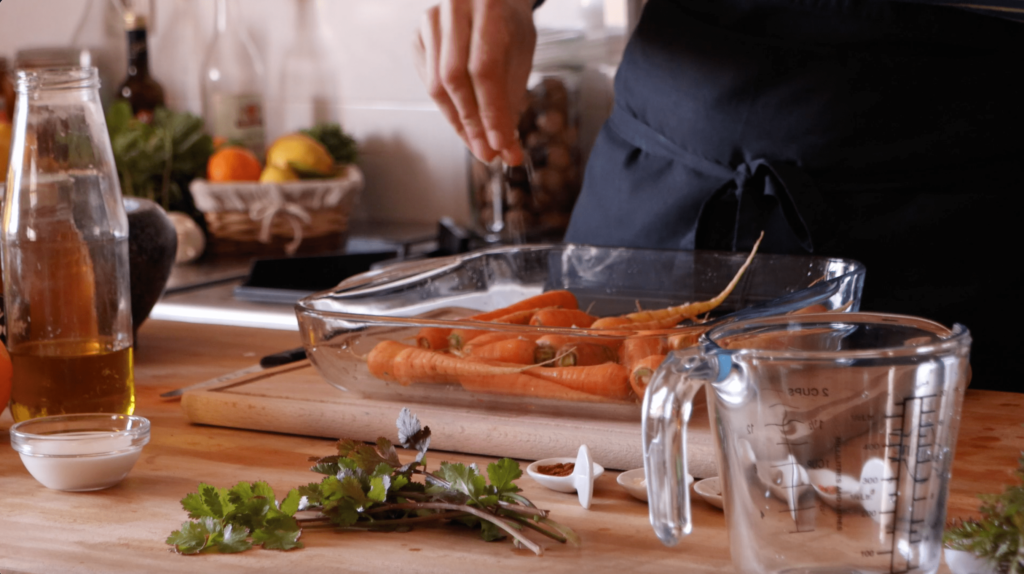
(428,51)
(474,57)
(489,70)
(457,23)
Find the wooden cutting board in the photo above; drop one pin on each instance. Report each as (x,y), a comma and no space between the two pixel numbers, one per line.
(295,399)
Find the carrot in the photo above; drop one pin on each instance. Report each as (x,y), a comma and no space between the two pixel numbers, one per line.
(520,384)
(690,310)
(636,348)
(405,364)
(562,341)
(584,354)
(561,298)
(562,318)
(611,323)
(816,308)
(434,338)
(607,380)
(559,341)
(494,337)
(460,337)
(640,375)
(516,351)
(551,346)
(623,323)
(381,359)
(685,340)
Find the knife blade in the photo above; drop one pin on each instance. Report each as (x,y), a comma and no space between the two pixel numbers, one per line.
(274,360)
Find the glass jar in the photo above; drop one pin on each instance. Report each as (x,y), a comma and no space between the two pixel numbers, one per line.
(65,253)
(533,202)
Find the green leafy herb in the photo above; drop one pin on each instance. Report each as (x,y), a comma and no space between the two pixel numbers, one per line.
(223,520)
(340,145)
(158,160)
(999,535)
(367,487)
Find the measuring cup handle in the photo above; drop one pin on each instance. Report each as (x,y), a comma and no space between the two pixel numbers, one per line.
(668,404)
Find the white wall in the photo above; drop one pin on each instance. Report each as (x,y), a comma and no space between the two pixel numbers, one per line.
(414,164)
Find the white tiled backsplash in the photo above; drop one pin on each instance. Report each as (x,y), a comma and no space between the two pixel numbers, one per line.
(416,168)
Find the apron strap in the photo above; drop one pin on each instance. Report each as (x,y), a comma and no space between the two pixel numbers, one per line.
(736,213)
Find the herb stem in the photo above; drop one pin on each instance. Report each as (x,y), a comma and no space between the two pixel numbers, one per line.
(401,521)
(525,510)
(482,515)
(534,526)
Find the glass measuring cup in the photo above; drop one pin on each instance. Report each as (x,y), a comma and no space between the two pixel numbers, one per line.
(835,436)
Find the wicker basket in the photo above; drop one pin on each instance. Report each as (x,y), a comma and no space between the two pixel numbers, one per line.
(273,219)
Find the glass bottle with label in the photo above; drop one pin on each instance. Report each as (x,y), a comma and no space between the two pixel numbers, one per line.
(139,89)
(178,49)
(307,77)
(65,253)
(233,83)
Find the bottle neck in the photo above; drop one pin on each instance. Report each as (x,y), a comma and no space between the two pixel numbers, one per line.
(224,13)
(304,16)
(138,53)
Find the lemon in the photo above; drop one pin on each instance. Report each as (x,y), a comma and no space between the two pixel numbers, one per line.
(5,149)
(302,154)
(272,174)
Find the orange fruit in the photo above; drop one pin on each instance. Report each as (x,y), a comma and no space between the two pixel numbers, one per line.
(233,163)
(5,377)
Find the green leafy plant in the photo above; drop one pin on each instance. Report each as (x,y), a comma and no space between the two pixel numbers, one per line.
(340,145)
(998,536)
(158,160)
(367,487)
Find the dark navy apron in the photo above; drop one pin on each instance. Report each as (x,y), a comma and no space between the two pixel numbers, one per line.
(884,132)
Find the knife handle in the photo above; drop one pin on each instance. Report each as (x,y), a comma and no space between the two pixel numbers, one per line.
(283,358)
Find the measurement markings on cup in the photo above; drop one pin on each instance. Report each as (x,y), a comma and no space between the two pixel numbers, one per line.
(908,452)
(797,511)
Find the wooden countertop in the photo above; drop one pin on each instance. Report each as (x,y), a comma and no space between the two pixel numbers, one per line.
(122,529)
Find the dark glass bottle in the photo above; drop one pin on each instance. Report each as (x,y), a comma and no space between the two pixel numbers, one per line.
(140,89)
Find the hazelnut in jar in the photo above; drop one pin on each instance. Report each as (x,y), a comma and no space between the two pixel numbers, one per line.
(537,198)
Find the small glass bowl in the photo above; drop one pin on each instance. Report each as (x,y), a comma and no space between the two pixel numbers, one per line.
(80,452)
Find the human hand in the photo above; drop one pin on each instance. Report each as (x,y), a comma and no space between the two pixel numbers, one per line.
(475,57)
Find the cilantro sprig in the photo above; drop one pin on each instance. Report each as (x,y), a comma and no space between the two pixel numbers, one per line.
(998,536)
(366,486)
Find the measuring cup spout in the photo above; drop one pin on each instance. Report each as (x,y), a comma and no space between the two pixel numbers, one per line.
(668,404)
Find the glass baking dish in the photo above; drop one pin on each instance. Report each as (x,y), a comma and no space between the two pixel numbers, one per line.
(341,326)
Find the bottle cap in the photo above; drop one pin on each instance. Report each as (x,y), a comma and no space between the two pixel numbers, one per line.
(133,21)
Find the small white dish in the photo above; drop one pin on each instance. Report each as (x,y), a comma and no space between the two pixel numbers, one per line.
(80,452)
(710,489)
(580,481)
(962,562)
(828,485)
(635,482)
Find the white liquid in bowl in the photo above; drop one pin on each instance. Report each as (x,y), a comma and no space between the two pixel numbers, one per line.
(80,452)
(81,473)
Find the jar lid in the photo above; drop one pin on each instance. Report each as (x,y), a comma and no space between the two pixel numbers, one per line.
(574,48)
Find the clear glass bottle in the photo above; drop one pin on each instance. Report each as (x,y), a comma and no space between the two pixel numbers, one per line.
(307,78)
(178,49)
(233,83)
(139,89)
(101,32)
(65,253)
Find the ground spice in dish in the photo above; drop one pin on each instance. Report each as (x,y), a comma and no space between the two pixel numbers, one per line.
(557,469)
